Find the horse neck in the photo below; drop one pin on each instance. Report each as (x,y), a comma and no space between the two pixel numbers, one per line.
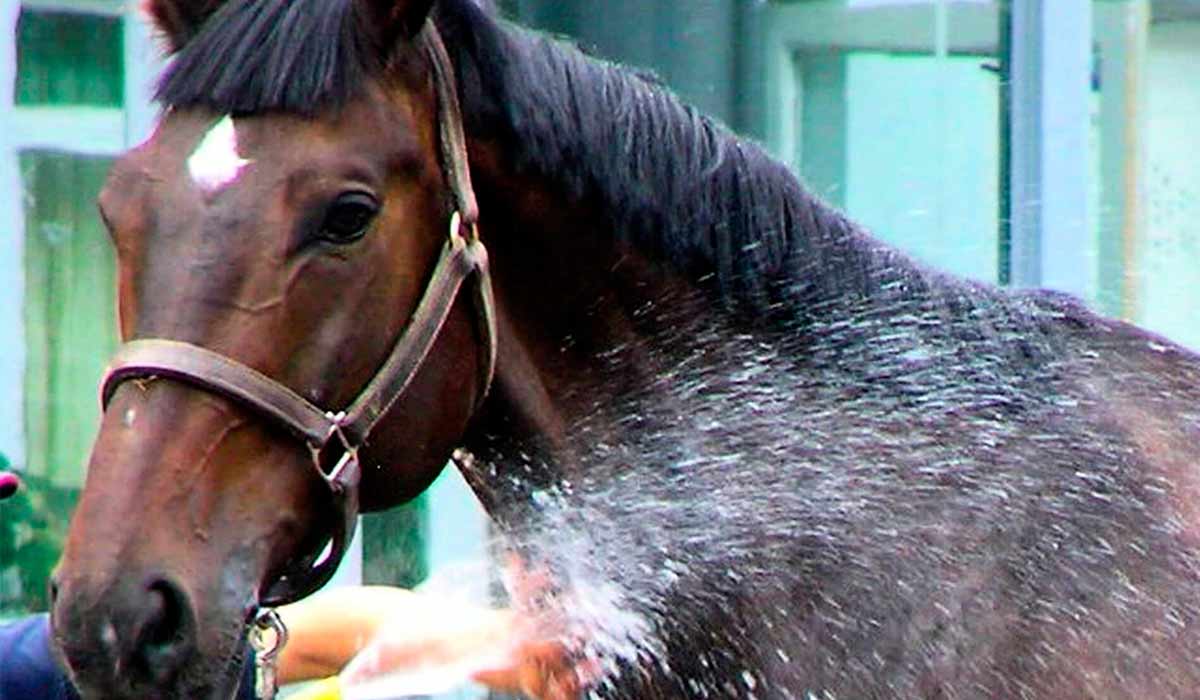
(611,271)
(599,342)
(571,328)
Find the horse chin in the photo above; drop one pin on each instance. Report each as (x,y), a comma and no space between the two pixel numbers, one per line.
(214,676)
(218,680)
(215,679)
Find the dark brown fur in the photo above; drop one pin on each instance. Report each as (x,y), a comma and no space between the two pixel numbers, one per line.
(865,479)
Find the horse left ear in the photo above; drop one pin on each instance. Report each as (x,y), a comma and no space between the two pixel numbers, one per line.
(396,19)
(179,20)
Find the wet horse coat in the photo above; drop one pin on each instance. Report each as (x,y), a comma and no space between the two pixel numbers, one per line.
(763,454)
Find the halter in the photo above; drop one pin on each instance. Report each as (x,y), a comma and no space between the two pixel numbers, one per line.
(335,437)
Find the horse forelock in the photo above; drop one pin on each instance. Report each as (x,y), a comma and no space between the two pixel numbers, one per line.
(297,56)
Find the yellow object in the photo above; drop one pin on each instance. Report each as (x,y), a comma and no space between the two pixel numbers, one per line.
(328,689)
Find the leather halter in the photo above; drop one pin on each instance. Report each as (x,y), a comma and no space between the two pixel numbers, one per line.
(336,436)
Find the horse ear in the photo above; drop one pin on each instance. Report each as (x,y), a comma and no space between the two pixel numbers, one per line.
(396,19)
(179,20)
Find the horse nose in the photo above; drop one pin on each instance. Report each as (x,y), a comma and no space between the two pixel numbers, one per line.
(162,633)
(140,638)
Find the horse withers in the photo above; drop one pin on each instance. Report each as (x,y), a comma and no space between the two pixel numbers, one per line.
(759,453)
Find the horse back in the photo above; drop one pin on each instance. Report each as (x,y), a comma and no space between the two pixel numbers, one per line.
(1039,540)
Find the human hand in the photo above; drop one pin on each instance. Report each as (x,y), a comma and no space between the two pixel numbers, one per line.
(447,642)
(542,670)
(431,643)
(546,659)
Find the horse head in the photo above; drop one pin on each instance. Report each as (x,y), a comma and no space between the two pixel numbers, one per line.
(284,272)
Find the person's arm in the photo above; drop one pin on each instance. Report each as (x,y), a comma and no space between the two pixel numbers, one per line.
(411,631)
(326,631)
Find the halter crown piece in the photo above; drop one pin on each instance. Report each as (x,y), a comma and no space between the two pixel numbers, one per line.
(335,437)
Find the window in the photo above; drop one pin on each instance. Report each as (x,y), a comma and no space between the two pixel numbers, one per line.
(69,58)
(891,111)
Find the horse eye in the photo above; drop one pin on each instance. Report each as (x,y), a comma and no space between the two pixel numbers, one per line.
(348,217)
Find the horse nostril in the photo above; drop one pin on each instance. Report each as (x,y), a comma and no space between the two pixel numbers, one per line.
(164,638)
(52,590)
(168,623)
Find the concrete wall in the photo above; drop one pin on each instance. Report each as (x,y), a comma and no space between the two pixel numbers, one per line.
(923,171)
(1168,255)
(691,45)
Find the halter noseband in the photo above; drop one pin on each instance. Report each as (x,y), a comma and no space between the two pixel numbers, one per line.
(336,436)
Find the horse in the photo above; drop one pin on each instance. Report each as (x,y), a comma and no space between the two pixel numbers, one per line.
(756,452)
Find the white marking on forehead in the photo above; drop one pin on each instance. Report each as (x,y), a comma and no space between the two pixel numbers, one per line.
(216,162)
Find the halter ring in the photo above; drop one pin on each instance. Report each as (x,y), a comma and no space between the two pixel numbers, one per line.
(349,451)
(268,635)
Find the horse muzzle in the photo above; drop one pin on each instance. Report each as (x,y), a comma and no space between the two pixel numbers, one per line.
(131,639)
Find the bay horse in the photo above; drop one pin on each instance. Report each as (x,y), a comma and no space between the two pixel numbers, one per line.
(790,461)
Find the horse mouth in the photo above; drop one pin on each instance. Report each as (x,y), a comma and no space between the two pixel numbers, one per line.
(97,676)
(192,684)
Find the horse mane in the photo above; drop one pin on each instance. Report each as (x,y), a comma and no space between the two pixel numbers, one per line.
(677,185)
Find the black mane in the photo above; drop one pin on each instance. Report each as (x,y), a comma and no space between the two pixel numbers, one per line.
(678,186)
(263,55)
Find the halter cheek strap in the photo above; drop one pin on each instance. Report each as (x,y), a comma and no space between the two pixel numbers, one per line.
(335,437)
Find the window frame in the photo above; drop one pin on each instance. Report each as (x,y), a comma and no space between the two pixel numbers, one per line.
(1059,63)
(74,129)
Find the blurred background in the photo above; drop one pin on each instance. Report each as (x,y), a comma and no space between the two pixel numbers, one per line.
(1023,142)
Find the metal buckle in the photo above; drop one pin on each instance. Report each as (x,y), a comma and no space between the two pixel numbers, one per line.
(268,635)
(461,231)
(349,451)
